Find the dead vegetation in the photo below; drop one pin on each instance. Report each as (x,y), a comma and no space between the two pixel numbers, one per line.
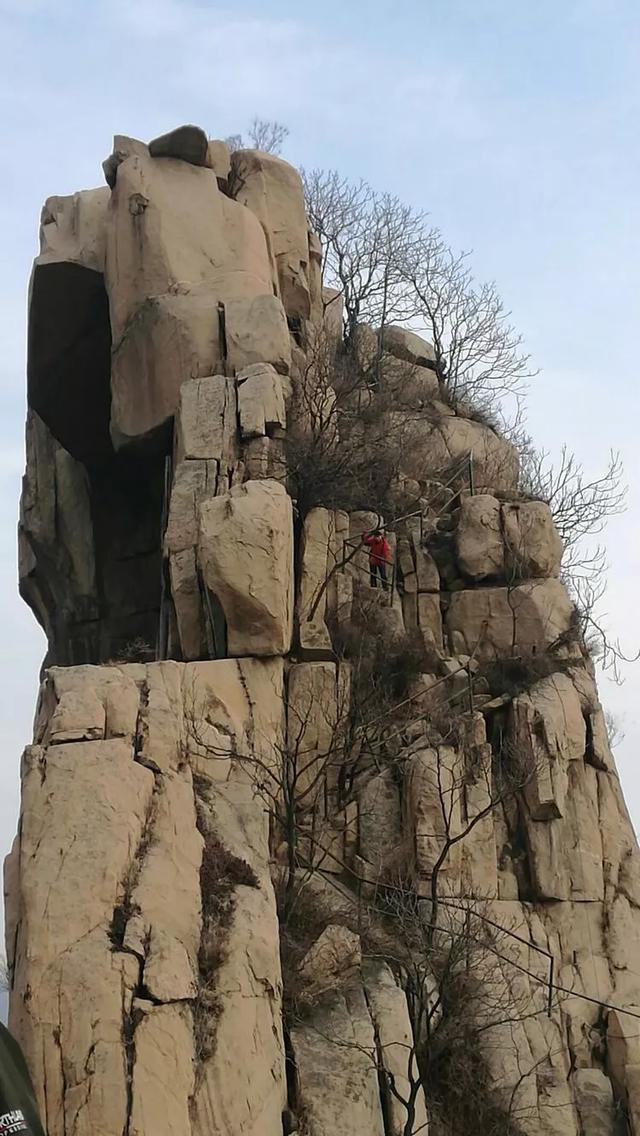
(221,873)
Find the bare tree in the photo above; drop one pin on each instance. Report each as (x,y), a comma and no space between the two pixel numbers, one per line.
(263,134)
(365,239)
(344,446)
(390,265)
(478,353)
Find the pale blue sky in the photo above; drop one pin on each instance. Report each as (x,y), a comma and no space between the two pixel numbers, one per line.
(513,122)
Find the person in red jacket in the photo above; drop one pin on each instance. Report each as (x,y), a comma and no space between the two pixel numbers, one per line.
(379,557)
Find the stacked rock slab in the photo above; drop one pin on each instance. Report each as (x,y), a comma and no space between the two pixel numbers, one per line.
(194,622)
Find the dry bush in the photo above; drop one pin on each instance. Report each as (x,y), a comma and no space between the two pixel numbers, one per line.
(343,447)
(514,675)
(303,917)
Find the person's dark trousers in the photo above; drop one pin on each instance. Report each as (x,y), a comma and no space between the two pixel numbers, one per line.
(374,570)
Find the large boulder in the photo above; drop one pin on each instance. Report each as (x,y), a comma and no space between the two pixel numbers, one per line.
(189,143)
(406,345)
(321,594)
(69,338)
(499,622)
(532,545)
(246,555)
(479,543)
(446,444)
(272,190)
(261,401)
(335,1045)
(178,251)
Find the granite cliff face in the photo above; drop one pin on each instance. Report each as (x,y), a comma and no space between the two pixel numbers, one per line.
(295,854)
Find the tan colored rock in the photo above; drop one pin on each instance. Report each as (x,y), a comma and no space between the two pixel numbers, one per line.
(438,446)
(242,1087)
(479,543)
(549,732)
(177,248)
(430,619)
(432,803)
(256,332)
(206,423)
(123,148)
(187,601)
(342,1023)
(167,936)
(163,1070)
(322,551)
(390,1016)
(246,555)
(74,229)
(409,384)
(496,622)
(272,189)
(380,821)
(594,1101)
(261,401)
(219,158)
(193,482)
(88,703)
(333,960)
(405,344)
(84,809)
(533,547)
(565,855)
(188,143)
(333,312)
(318,704)
(78,717)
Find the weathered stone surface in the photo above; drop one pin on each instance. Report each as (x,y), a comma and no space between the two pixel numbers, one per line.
(342,1023)
(439,446)
(330,962)
(495,622)
(73,229)
(430,619)
(321,594)
(219,158)
(189,143)
(533,547)
(380,822)
(243,1084)
(256,332)
(163,1071)
(548,732)
(167,936)
(594,1101)
(261,401)
(246,554)
(479,543)
(318,704)
(76,797)
(177,248)
(432,803)
(272,189)
(396,1049)
(206,423)
(407,345)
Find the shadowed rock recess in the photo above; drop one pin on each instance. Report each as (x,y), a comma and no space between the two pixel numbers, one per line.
(295,854)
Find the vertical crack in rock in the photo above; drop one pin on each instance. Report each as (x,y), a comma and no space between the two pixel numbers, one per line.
(220,874)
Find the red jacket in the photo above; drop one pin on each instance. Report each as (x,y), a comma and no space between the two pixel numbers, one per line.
(379,551)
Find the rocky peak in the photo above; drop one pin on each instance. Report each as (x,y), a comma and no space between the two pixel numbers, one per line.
(314,837)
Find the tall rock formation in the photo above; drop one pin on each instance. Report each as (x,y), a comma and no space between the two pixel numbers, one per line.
(294,854)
